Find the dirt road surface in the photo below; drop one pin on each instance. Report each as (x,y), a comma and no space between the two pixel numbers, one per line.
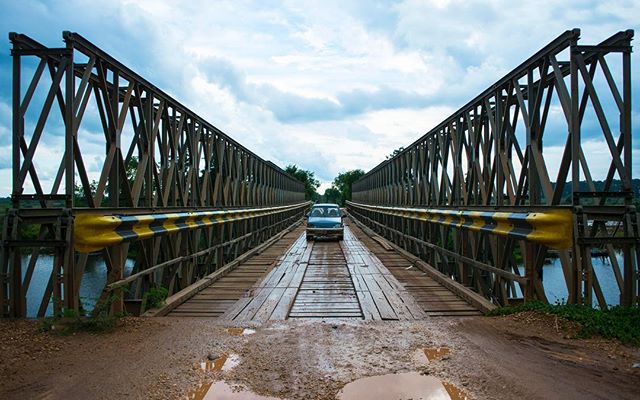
(517,357)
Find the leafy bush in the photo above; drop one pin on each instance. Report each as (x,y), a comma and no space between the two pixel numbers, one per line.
(622,323)
(155,297)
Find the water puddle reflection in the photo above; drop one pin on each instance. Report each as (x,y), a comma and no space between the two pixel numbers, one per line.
(224,391)
(435,353)
(410,385)
(240,331)
(224,362)
(200,392)
(455,392)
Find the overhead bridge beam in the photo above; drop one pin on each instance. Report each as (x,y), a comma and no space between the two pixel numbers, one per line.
(97,231)
(553,228)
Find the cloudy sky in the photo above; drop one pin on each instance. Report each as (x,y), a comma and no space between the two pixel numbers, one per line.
(327,85)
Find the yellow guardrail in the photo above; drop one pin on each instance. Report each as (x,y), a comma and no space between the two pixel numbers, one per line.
(94,231)
(553,228)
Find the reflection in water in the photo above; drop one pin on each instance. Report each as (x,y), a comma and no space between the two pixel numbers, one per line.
(225,362)
(435,353)
(240,331)
(410,385)
(235,331)
(200,391)
(93,281)
(455,392)
(556,289)
(224,391)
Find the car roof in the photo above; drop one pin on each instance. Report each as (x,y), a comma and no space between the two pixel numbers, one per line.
(325,205)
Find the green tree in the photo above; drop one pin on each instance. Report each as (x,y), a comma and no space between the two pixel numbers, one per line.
(306,177)
(344,181)
(332,195)
(80,199)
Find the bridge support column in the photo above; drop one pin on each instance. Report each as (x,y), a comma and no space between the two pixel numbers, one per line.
(530,273)
(116,274)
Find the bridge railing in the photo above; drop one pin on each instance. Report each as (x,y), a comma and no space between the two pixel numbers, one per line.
(485,200)
(109,170)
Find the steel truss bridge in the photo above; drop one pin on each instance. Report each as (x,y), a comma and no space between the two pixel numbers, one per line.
(475,202)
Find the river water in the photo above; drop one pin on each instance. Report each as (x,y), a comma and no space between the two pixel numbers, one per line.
(556,290)
(93,281)
(95,277)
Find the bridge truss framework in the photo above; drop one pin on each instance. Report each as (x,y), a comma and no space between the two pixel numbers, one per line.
(161,162)
(182,199)
(439,197)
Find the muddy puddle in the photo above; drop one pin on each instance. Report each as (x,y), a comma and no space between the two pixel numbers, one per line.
(427,355)
(409,385)
(240,331)
(224,391)
(221,390)
(223,362)
(435,353)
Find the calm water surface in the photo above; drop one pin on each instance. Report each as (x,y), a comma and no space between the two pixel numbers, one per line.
(556,289)
(93,281)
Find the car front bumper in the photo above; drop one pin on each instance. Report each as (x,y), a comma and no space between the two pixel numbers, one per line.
(325,232)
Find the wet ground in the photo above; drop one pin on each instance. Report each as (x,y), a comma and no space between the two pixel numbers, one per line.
(519,357)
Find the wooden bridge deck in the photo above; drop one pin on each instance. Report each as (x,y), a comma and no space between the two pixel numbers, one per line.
(220,296)
(357,278)
(434,299)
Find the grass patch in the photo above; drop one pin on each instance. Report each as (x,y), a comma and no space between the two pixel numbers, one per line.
(70,321)
(622,323)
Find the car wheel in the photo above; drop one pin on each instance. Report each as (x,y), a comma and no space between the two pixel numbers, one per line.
(309,237)
(340,238)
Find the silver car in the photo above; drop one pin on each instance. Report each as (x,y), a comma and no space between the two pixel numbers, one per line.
(325,220)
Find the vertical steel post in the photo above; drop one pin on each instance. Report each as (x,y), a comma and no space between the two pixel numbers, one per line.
(630,269)
(574,134)
(71,294)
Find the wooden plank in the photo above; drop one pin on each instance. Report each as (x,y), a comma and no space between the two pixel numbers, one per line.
(325,289)
(265,311)
(417,290)
(369,309)
(284,305)
(463,292)
(326,315)
(236,309)
(193,290)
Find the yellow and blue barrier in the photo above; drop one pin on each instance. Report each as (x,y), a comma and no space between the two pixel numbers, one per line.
(95,231)
(553,228)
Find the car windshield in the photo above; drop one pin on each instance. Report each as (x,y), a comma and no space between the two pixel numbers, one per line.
(325,211)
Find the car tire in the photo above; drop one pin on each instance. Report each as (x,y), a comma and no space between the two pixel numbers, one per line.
(309,237)
(340,238)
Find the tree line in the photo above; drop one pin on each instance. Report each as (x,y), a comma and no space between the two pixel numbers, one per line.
(338,193)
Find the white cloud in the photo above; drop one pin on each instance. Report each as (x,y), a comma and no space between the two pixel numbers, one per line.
(330,85)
